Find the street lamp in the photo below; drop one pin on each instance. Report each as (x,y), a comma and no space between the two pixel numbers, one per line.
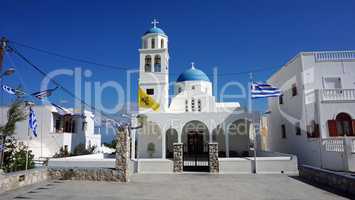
(8,72)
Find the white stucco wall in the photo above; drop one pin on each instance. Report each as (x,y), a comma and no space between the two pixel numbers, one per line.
(48,142)
(309,74)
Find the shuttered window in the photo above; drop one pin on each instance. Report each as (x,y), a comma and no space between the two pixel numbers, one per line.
(332,127)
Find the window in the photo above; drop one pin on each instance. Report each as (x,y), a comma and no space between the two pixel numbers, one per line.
(145,44)
(84,126)
(193,105)
(58,125)
(281,99)
(332,83)
(63,123)
(162,43)
(193,87)
(343,125)
(68,123)
(179,90)
(199,105)
(283,131)
(157,63)
(313,130)
(294,89)
(150,91)
(298,128)
(186,105)
(148,64)
(153,43)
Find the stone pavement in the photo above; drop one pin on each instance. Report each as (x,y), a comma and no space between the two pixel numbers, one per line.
(177,186)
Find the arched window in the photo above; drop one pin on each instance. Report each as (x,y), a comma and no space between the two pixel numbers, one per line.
(148,64)
(145,44)
(199,105)
(186,105)
(157,63)
(344,124)
(193,105)
(162,43)
(153,43)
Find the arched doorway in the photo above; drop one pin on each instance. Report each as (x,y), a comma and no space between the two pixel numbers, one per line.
(195,137)
(239,138)
(344,124)
(149,141)
(170,139)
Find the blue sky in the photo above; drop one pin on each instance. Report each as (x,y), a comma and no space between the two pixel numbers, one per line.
(234,36)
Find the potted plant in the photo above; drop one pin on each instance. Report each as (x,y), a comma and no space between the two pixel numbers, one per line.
(151,149)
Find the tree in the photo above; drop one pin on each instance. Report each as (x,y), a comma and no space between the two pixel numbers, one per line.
(15,114)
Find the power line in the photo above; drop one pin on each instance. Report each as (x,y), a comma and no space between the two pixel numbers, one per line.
(60,86)
(257,70)
(70,57)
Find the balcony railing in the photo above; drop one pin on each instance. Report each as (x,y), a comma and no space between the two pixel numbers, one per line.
(334,56)
(333,145)
(337,94)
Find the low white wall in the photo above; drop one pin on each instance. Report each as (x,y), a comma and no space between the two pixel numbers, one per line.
(235,166)
(85,161)
(277,165)
(12,181)
(271,163)
(154,166)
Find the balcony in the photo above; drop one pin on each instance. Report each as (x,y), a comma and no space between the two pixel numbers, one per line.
(337,95)
(334,56)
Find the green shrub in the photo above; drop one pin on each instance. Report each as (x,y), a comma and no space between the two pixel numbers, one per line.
(82,150)
(62,153)
(151,149)
(15,156)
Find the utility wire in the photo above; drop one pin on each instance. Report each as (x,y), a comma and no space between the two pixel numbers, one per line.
(125,68)
(70,57)
(60,86)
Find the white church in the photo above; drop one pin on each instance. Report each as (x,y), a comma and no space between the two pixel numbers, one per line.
(192,116)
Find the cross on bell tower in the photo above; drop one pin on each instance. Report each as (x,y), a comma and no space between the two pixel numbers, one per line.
(155,22)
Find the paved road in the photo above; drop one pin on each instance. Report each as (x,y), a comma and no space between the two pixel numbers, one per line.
(182,187)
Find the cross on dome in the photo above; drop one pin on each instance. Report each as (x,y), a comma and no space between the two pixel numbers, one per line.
(192,65)
(155,22)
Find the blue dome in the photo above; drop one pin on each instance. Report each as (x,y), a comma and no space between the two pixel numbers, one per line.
(193,74)
(155,30)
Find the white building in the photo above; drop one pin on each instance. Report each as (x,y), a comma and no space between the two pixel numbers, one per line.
(55,130)
(192,117)
(317,109)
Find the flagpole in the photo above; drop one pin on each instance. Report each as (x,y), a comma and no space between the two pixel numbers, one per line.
(28,135)
(250,110)
(28,143)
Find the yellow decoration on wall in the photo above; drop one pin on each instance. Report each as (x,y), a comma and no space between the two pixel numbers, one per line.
(146,101)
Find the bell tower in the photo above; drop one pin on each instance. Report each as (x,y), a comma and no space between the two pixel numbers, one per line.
(154,71)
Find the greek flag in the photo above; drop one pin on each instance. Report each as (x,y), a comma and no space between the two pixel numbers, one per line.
(262,90)
(32,122)
(8,89)
(43,94)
